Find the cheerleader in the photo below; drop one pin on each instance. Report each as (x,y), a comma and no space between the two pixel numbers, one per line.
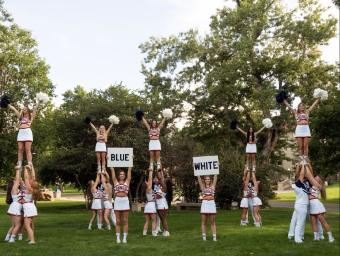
(150,210)
(251,148)
(122,204)
(31,194)
(107,198)
(159,189)
(256,201)
(25,135)
(247,194)
(100,149)
(15,200)
(208,206)
(96,207)
(302,131)
(317,210)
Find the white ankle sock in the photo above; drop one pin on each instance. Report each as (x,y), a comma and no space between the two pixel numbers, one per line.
(19,237)
(100,226)
(204,237)
(8,236)
(118,236)
(145,232)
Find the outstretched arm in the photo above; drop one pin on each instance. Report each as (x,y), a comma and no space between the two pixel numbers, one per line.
(93,128)
(289,106)
(16,180)
(161,125)
(95,184)
(256,185)
(34,112)
(316,102)
(32,172)
(27,178)
(311,178)
(214,181)
(241,131)
(145,123)
(113,174)
(128,177)
(150,179)
(17,113)
(246,181)
(109,129)
(260,130)
(200,183)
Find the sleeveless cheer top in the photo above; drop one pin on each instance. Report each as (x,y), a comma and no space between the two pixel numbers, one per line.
(154,133)
(121,188)
(208,192)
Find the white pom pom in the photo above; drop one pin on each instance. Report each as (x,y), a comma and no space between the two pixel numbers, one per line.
(113,119)
(167,113)
(42,97)
(319,93)
(267,123)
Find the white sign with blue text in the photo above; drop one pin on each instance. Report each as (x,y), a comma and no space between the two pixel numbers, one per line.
(119,157)
(205,165)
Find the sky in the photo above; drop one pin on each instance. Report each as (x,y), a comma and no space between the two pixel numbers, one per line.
(95,43)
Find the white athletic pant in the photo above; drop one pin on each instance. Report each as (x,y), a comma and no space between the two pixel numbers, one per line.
(293,224)
(301,214)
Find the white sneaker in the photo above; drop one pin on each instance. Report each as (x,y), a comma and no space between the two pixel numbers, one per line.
(322,237)
(290,237)
(11,240)
(331,239)
(298,241)
(154,233)
(124,241)
(166,233)
(118,241)
(214,239)
(20,237)
(145,232)
(30,242)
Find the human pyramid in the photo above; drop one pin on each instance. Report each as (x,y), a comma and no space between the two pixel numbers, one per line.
(22,192)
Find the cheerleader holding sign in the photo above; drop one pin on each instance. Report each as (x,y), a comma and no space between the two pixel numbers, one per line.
(26,117)
(301,114)
(154,134)
(101,137)
(251,148)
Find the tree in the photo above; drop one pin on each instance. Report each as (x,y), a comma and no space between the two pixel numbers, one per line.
(23,73)
(235,70)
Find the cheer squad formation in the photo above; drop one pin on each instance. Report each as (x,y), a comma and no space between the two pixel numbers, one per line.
(110,202)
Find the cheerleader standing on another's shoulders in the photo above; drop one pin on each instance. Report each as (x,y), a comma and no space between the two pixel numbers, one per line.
(150,210)
(208,207)
(122,204)
(96,207)
(251,148)
(107,198)
(25,135)
(302,131)
(101,137)
(159,188)
(31,194)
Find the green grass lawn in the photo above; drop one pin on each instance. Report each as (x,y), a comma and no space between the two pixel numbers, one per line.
(61,229)
(333,194)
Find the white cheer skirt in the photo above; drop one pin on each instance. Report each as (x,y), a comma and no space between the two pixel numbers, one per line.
(257,201)
(121,203)
(244,203)
(316,207)
(208,207)
(30,210)
(251,148)
(100,147)
(15,208)
(162,204)
(155,145)
(302,131)
(25,135)
(150,207)
(108,205)
(97,204)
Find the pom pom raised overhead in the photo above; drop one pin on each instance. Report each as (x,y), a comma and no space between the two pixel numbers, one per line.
(113,119)
(5,101)
(42,97)
(233,124)
(267,123)
(87,120)
(167,113)
(319,93)
(281,96)
(139,115)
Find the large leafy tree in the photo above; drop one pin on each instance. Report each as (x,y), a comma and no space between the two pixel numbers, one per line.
(23,73)
(235,70)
